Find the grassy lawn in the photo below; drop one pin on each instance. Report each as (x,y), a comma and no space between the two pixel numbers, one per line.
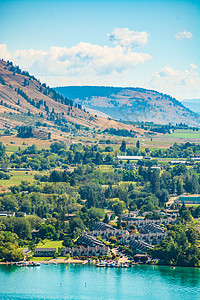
(40,258)
(50,244)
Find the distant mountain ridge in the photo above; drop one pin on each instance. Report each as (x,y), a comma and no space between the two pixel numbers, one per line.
(132,104)
(23,99)
(193,104)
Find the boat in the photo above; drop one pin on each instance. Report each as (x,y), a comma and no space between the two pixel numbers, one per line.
(102,264)
(36,264)
(112,264)
(20,264)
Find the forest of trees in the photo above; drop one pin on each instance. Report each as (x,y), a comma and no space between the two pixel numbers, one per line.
(77,185)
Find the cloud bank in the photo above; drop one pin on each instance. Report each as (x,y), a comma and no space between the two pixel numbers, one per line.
(185,35)
(184,84)
(81,60)
(127,38)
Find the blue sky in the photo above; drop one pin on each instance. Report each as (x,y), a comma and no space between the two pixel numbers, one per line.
(151,44)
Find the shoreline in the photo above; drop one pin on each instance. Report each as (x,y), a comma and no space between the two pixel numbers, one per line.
(51,261)
(85,262)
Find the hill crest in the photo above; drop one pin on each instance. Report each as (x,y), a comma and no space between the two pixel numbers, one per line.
(132,104)
(22,96)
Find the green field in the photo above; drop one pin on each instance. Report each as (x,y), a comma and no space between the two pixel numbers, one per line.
(40,258)
(187,134)
(50,244)
(17,176)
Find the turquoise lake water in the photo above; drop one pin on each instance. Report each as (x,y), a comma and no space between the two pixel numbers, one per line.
(59,282)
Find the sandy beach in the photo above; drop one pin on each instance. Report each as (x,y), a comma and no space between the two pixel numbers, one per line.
(54,261)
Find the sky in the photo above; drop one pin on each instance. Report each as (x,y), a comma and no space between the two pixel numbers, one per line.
(149,44)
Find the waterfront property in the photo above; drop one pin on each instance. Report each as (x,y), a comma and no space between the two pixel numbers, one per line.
(138,258)
(45,251)
(87,251)
(142,242)
(88,240)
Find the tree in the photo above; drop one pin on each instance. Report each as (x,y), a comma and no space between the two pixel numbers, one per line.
(117,205)
(4,163)
(76,223)
(98,159)
(46,231)
(2,149)
(9,203)
(22,228)
(67,242)
(179,187)
(192,234)
(10,252)
(55,147)
(119,222)
(106,219)
(123,147)
(155,182)
(195,184)
(186,216)
(25,132)
(138,144)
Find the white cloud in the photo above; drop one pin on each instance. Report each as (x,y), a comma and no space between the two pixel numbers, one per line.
(4,52)
(128,38)
(185,35)
(183,84)
(81,60)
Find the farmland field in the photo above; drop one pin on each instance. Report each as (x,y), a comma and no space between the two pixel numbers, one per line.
(17,177)
(189,134)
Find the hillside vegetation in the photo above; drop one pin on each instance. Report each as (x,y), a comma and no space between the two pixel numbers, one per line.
(24,100)
(132,104)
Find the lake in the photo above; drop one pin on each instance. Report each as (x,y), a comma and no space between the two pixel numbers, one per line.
(89,282)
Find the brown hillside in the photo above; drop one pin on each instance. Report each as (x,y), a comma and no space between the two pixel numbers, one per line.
(132,104)
(16,85)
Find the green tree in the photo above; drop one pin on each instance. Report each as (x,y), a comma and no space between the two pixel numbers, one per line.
(123,147)
(155,182)
(138,144)
(67,242)
(106,219)
(179,187)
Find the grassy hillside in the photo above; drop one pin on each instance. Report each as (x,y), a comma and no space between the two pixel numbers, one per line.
(24,100)
(132,104)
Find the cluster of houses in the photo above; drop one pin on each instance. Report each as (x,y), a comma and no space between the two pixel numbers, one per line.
(151,233)
(148,234)
(88,251)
